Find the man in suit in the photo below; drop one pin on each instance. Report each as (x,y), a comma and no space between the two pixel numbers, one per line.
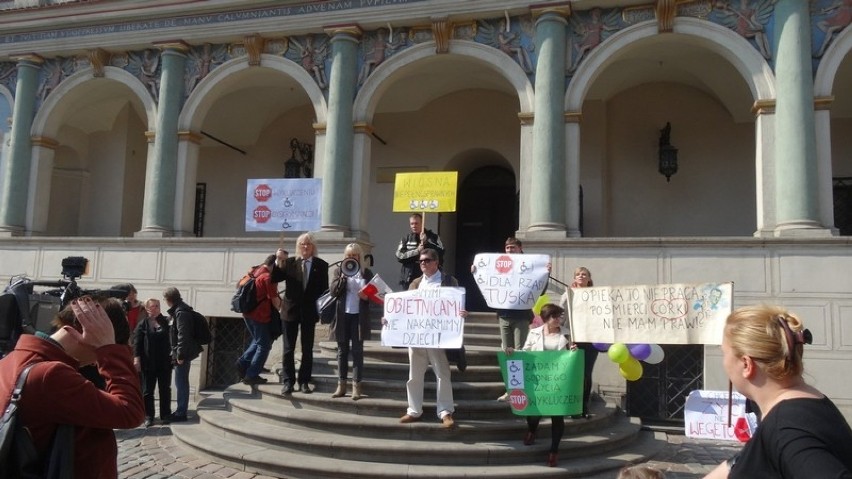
(306,279)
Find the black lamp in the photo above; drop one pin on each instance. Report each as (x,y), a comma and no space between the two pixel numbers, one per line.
(668,153)
(294,167)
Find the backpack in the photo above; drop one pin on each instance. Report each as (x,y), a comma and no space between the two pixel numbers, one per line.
(18,456)
(200,328)
(245,297)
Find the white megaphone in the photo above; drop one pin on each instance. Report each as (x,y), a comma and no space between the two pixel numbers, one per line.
(350,267)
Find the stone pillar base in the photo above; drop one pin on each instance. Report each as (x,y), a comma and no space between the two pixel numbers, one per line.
(11,231)
(153,233)
(802,229)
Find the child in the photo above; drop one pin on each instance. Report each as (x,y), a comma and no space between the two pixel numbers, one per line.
(641,471)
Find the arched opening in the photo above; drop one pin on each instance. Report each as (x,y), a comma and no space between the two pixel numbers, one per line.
(247,119)
(487,215)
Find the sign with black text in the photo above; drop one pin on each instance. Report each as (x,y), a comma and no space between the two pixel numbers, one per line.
(424,318)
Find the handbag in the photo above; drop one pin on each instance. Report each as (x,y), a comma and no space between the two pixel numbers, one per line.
(326,307)
(18,456)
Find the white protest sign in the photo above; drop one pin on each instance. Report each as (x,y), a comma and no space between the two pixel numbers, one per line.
(660,313)
(283,204)
(424,318)
(511,281)
(705,414)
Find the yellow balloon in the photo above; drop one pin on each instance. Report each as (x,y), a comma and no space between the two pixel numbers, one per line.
(542,300)
(631,369)
(618,353)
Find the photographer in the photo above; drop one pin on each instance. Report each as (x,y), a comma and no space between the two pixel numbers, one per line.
(56,393)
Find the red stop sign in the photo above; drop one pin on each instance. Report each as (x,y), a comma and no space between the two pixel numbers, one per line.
(262,192)
(518,399)
(262,214)
(504,264)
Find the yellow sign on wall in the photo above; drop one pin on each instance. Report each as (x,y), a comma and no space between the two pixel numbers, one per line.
(425,192)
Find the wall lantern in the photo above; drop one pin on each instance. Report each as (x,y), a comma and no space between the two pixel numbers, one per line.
(668,153)
(304,164)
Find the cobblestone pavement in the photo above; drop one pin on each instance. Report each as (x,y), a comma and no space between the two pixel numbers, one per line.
(153,453)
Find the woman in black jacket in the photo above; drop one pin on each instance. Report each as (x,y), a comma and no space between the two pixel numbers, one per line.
(351,323)
(152,358)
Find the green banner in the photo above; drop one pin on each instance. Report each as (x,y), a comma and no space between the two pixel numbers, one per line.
(544,383)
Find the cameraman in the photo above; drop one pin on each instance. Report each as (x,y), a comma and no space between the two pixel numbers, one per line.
(56,393)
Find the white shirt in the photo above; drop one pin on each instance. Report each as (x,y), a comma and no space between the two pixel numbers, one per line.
(433,281)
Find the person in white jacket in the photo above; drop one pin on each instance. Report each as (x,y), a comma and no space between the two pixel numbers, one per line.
(551,336)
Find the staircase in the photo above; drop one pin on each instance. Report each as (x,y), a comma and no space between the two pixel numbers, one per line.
(317,436)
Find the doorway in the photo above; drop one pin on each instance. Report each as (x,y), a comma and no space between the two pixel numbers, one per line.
(487,215)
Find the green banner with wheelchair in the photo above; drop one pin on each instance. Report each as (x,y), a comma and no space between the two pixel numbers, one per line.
(544,383)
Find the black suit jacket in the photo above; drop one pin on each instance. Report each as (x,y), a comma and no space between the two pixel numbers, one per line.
(300,298)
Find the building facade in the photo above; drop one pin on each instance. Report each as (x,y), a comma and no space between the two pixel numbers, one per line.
(133,127)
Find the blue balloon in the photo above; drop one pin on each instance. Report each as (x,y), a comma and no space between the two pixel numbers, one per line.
(640,351)
(602,347)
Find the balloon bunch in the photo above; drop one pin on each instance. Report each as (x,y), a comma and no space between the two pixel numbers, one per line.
(627,356)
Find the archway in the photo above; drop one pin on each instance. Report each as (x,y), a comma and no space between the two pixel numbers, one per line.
(487,215)
(90,183)
(245,116)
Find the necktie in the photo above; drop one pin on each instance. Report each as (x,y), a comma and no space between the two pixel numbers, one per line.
(306,269)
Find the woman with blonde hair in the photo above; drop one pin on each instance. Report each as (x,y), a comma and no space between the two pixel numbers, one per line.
(802,433)
(351,323)
(583,279)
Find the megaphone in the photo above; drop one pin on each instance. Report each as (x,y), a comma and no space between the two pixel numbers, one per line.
(350,267)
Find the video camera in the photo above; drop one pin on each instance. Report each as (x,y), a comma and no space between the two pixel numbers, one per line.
(25,310)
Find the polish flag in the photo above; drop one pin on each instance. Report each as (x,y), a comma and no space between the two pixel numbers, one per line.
(376,289)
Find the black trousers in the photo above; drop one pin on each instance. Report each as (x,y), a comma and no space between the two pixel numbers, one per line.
(590,355)
(291,334)
(557,429)
(162,379)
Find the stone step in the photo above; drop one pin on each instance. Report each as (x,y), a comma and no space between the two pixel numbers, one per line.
(379,417)
(378,370)
(483,391)
(453,446)
(388,407)
(580,456)
(476,355)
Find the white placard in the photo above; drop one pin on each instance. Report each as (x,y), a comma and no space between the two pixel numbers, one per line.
(283,204)
(657,313)
(424,318)
(511,281)
(705,414)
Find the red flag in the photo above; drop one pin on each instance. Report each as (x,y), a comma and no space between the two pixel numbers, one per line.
(376,290)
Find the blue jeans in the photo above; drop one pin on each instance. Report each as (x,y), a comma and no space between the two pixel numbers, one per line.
(182,387)
(255,355)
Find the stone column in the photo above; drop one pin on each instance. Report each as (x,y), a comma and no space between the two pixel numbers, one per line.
(572,173)
(158,209)
(796,189)
(16,181)
(764,154)
(189,143)
(38,200)
(547,193)
(337,172)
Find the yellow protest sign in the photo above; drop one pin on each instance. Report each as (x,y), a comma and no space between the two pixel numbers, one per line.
(425,192)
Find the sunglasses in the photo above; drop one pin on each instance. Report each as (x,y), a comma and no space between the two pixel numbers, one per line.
(425,260)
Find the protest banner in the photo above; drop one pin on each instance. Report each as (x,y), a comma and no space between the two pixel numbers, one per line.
(432,192)
(283,204)
(511,281)
(660,314)
(544,383)
(424,318)
(705,414)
